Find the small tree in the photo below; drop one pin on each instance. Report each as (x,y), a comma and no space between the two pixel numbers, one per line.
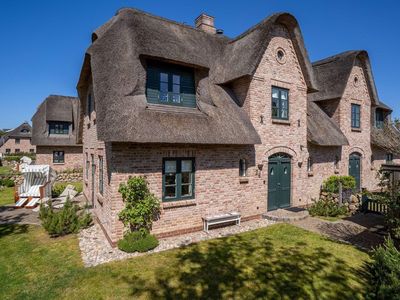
(141,206)
(331,184)
(390,196)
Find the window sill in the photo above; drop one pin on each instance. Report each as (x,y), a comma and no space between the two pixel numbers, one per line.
(281,122)
(168,108)
(243,180)
(356,129)
(58,164)
(310,174)
(178,203)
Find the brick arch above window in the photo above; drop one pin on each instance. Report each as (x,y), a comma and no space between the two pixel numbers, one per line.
(280,149)
(358,150)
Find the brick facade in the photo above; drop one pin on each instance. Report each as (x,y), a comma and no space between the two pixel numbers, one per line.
(218,188)
(73,158)
(24,145)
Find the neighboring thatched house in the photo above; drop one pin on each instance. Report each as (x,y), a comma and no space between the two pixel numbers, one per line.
(17,140)
(54,133)
(347,94)
(215,124)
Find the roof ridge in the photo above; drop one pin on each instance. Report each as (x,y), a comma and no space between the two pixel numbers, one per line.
(255,26)
(135,10)
(334,57)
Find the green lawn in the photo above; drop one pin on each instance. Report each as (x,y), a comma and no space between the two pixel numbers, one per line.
(5,170)
(278,262)
(6,196)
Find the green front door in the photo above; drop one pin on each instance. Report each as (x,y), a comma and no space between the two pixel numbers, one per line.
(279,175)
(355,169)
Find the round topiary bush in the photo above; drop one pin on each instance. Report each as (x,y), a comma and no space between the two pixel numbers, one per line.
(136,241)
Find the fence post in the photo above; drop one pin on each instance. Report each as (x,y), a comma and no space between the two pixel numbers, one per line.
(340,194)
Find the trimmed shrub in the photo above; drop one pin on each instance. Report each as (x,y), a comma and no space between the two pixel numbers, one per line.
(136,241)
(331,185)
(69,219)
(141,206)
(7,182)
(327,208)
(384,272)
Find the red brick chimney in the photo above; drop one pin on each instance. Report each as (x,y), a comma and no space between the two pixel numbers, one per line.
(205,23)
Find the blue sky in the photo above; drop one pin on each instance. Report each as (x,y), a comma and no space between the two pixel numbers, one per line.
(43,42)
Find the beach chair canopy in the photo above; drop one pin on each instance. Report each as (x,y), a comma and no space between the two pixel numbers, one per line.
(36,176)
(25,160)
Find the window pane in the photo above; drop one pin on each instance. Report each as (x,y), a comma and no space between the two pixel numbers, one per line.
(170,192)
(186,178)
(170,179)
(284,114)
(186,166)
(284,95)
(176,88)
(163,77)
(176,79)
(275,93)
(186,190)
(170,166)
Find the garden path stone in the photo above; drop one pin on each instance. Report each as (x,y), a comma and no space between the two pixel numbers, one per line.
(364,231)
(95,249)
(10,215)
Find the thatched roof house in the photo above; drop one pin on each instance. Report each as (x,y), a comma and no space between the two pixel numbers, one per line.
(217,118)
(55,108)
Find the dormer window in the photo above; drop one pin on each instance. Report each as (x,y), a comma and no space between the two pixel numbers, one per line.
(379,118)
(24,131)
(59,127)
(170,84)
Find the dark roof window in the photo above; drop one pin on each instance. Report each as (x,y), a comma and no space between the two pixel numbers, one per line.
(170,84)
(379,118)
(59,127)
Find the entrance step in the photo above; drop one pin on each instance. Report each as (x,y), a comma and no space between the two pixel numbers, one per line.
(287,214)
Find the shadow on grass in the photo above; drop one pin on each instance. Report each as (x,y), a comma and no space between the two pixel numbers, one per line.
(12,229)
(243,268)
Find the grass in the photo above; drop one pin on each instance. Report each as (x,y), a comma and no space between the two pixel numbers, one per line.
(5,170)
(7,196)
(331,219)
(278,262)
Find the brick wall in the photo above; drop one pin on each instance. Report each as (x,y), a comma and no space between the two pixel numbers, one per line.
(73,158)
(359,140)
(218,188)
(23,146)
(277,136)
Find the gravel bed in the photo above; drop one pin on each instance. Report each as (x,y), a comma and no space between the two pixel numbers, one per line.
(96,250)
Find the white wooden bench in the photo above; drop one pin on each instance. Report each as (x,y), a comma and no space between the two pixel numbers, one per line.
(221,219)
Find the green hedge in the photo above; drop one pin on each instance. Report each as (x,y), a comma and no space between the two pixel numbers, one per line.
(331,184)
(327,208)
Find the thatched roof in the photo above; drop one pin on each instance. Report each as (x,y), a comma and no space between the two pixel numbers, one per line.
(384,106)
(332,75)
(55,108)
(116,61)
(387,138)
(22,131)
(322,130)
